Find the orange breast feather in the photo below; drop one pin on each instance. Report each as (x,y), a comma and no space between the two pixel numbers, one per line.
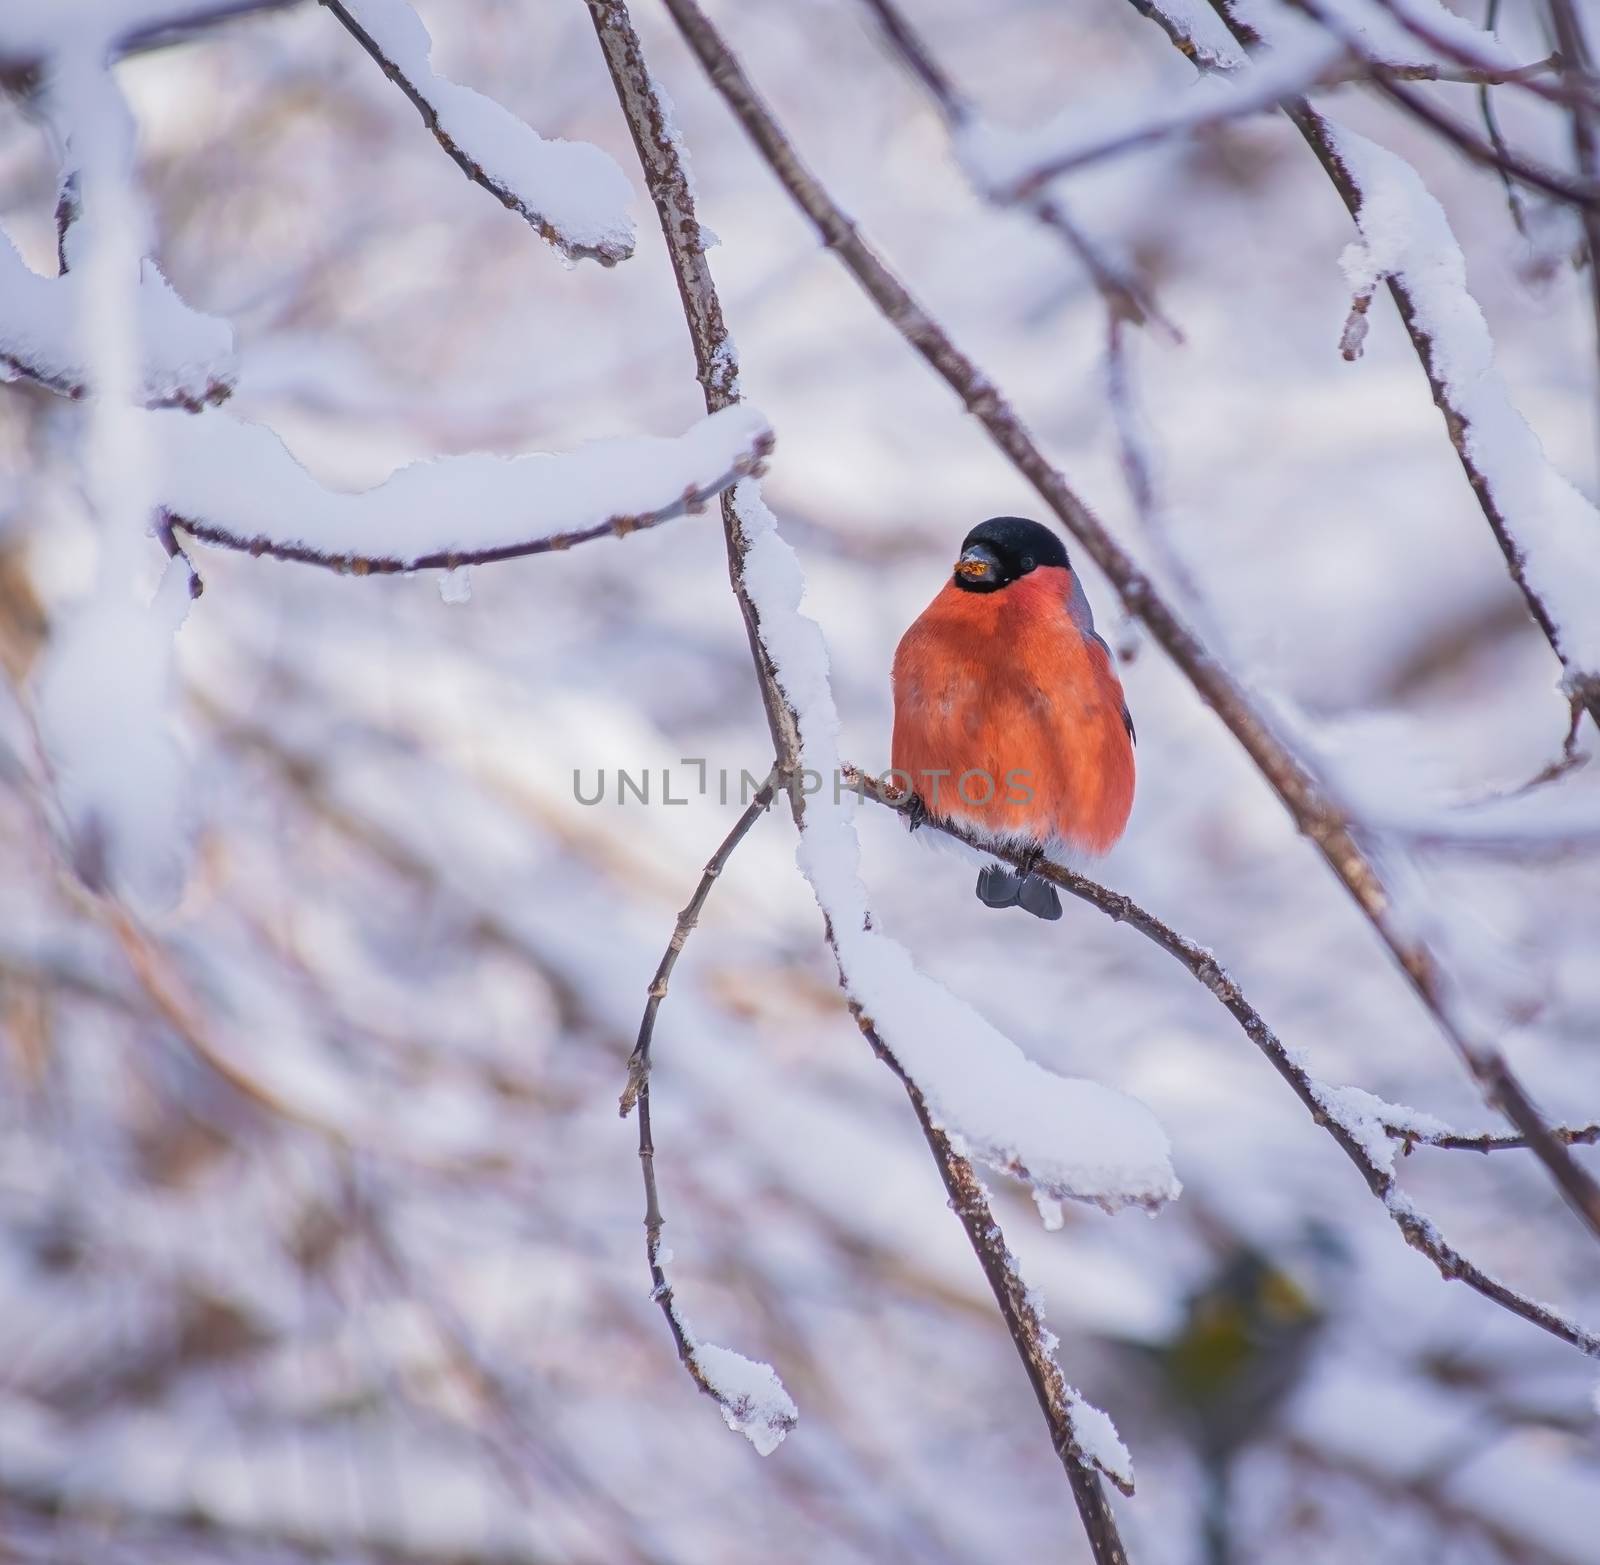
(1009,720)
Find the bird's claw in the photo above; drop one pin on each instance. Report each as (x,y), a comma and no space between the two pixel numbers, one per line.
(916,812)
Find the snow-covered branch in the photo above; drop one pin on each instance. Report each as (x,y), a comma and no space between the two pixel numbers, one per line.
(792,673)
(1016,163)
(1365,1128)
(1315,811)
(236,486)
(1546,530)
(571,193)
(185,358)
(1124,294)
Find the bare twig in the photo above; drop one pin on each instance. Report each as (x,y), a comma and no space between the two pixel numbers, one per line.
(691,501)
(1314,810)
(717,370)
(1419,1233)
(639,1060)
(637,1092)
(607,254)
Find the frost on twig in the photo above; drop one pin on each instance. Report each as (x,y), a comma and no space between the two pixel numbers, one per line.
(235,485)
(1549,532)
(573,194)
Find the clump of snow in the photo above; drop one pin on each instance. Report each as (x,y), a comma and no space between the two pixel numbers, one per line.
(1366,1118)
(575,188)
(238,480)
(1556,531)
(1098,1440)
(1069,1139)
(1091,1428)
(750,1395)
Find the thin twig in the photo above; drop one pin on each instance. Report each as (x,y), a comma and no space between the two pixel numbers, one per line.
(1125,296)
(1313,809)
(1577,65)
(639,1060)
(637,1091)
(1583,194)
(1485,73)
(717,370)
(1420,1234)
(606,253)
(1488,1141)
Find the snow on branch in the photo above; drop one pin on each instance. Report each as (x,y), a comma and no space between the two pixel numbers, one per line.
(1319,815)
(185,358)
(1069,1139)
(1384,38)
(235,485)
(1195,32)
(1125,297)
(573,194)
(1015,162)
(31,33)
(1365,1127)
(745,523)
(1550,533)
(1414,1128)
(753,1401)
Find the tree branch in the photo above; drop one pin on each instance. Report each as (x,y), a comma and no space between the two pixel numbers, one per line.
(607,251)
(692,501)
(1315,812)
(1125,296)
(717,371)
(1583,684)
(1203,966)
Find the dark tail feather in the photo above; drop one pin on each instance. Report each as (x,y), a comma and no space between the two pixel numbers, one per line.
(1001,887)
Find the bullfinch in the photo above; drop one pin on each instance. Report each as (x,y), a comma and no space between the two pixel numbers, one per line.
(1009,718)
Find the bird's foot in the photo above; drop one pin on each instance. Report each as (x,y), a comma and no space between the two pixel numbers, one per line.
(915,811)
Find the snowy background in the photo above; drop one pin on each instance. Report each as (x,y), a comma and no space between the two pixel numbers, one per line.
(320,1235)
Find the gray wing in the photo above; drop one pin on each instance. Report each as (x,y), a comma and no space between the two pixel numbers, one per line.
(1083,618)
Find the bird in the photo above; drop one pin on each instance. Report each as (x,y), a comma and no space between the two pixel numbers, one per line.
(1009,718)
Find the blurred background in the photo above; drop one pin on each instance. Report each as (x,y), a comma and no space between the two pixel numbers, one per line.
(320,1235)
